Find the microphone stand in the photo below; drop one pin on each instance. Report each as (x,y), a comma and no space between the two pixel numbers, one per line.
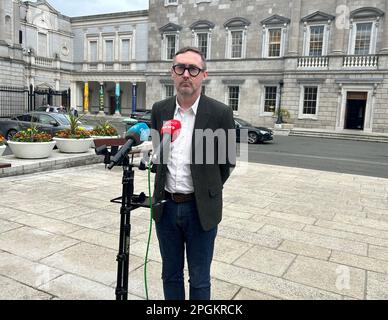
(129,202)
(125,230)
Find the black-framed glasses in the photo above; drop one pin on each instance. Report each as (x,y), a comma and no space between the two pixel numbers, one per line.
(180,69)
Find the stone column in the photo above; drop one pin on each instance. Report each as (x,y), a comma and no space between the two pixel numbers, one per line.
(117,99)
(340,27)
(74,94)
(293,41)
(86,97)
(134,96)
(101,111)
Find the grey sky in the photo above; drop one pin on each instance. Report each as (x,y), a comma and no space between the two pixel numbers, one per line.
(73,8)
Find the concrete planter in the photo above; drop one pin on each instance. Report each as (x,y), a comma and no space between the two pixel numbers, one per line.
(73,145)
(31,150)
(2,148)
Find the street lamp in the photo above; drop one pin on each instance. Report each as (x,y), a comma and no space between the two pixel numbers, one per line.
(280,120)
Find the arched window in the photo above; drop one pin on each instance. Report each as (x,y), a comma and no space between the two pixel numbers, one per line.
(236,29)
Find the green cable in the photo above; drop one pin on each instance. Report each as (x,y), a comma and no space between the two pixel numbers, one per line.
(150,230)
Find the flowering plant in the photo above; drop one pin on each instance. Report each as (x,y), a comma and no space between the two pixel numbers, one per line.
(2,140)
(32,134)
(75,132)
(104,129)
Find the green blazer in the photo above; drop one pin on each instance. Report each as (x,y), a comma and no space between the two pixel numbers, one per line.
(208,178)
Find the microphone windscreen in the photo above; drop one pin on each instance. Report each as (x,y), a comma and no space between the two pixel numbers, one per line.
(138,132)
(171,127)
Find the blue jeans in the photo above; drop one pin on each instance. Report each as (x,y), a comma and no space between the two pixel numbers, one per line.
(178,227)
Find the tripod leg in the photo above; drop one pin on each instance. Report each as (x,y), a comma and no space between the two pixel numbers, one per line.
(125,230)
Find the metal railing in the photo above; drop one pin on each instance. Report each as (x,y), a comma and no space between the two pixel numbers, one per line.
(13,100)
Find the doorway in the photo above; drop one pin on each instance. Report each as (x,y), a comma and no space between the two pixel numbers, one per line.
(355,110)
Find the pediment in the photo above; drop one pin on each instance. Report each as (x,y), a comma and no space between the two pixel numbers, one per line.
(318,16)
(275,19)
(202,24)
(237,22)
(366,12)
(43,86)
(170,27)
(45,6)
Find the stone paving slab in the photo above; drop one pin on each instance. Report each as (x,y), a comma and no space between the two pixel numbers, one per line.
(309,235)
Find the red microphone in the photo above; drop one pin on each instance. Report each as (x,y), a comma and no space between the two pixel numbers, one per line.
(170,131)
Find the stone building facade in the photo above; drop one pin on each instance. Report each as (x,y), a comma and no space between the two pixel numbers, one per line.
(323,63)
(11,54)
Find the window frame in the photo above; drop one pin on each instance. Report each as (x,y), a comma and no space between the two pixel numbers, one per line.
(307,39)
(90,40)
(170,3)
(229,43)
(302,115)
(166,87)
(265,49)
(165,44)
(228,87)
(196,41)
(130,56)
(353,35)
(263,98)
(39,51)
(104,49)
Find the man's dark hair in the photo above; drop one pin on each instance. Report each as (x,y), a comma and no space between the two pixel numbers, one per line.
(195,50)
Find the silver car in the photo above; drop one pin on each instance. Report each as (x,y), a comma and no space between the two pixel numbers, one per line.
(49,122)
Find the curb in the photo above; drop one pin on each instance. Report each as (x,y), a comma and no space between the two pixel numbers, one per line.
(54,162)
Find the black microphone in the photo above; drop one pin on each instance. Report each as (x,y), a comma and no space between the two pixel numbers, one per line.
(135,136)
(170,132)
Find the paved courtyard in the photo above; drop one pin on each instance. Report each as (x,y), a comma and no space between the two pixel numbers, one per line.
(287,233)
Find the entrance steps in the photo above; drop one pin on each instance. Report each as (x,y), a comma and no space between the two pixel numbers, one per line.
(344,134)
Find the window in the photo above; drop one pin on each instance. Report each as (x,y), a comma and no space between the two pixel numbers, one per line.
(364,25)
(93,53)
(237,42)
(169,91)
(171,46)
(310,100)
(170,40)
(42,44)
(234,97)
(363,38)
(201,32)
(170,2)
(274,42)
(274,36)
(202,43)
(270,99)
(316,33)
(125,50)
(316,41)
(109,50)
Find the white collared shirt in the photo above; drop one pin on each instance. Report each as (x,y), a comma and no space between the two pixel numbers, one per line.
(179,178)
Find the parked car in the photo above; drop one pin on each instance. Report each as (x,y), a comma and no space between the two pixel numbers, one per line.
(140,113)
(51,109)
(255,134)
(50,122)
(133,119)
